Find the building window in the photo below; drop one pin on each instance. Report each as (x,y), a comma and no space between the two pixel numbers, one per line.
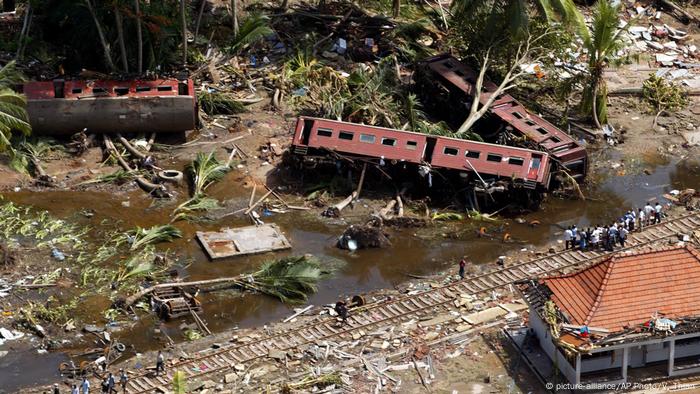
(368,138)
(324,132)
(346,135)
(450,151)
(411,145)
(516,161)
(494,157)
(472,154)
(388,141)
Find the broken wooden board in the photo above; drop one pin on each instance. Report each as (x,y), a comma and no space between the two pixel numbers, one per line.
(231,242)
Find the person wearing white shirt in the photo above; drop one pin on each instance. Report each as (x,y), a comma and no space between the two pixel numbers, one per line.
(658,208)
(568,236)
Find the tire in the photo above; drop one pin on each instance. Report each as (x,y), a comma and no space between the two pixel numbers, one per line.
(171,176)
(120,347)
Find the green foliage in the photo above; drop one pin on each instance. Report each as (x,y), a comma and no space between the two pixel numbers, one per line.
(663,95)
(254,28)
(290,278)
(602,44)
(179,382)
(205,170)
(10,76)
(218,103)
(13,116)
(515,17)
(119,177)
(155,234)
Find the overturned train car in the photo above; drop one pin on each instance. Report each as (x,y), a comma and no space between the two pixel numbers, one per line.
(524,167)
(107,106)
(450,85)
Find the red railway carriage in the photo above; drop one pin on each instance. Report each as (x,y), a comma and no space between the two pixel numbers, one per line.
(563,148)
(107,106)
(526,165)
(360,139)
(530,167)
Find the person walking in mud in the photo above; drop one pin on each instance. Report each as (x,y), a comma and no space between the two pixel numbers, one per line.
(111,384)
(462,266)
(74,389)
(160,363)
(342,310)
(55,389)
(568,235)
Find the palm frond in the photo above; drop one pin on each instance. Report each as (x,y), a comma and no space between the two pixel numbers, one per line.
(155,234)
(255,27)
(204,170)
(9,75)
(290,279)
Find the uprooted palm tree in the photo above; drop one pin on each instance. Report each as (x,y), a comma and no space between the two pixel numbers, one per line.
(290,279)
(13,113)
(602,44)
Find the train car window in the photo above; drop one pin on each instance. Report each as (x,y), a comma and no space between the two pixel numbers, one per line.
(459,72)
(368,138)
(140,89)
(389,141)
(472,154)
(411,145)
(99,90)
(516,161)
(542,131)
(530,122)
(448,65)
(518,115)
(165,88)
(494,157)
(346,135)
(324,132)
(555,139)
(76,90)
(450,151)
(183,89)
(121,91)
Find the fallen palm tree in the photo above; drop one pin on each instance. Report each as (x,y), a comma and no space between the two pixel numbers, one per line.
(147,236)
(203,171)
(290,279)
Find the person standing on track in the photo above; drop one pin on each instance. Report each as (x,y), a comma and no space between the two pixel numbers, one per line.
(462,265)
(160,363)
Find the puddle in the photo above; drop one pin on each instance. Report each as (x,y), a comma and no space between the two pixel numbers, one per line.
(360,272)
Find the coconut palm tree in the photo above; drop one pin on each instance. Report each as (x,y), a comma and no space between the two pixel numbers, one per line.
(13,113)
(602,44)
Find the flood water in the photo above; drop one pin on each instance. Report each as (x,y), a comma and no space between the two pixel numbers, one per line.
(358,272)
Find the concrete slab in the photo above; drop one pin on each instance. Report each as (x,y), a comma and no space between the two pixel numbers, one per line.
(438,320)
(243,240)
(484,316)
(692,137)
(513,306)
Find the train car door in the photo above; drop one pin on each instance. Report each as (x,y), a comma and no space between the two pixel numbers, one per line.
(306,132)
(429,148)
(534,169)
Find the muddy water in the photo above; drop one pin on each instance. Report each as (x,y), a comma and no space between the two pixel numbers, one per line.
(358,272)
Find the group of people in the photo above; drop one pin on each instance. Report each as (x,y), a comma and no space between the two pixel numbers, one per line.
(606,237)
(109,382)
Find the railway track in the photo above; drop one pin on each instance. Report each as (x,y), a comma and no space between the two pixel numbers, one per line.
(404,308)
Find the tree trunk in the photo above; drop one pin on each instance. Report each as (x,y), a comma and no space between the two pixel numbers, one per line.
(234,17)
(183,19)
(139,38)
(595,107)
(103,41)
(120,34)
(199,20)
(395,8)
(22,34)
(132,299)
(283,6)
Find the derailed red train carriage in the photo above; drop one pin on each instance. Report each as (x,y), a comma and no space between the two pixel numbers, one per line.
(527,167)
(459,81)
(108,106)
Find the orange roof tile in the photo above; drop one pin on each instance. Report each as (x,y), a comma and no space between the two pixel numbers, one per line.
(627,289)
